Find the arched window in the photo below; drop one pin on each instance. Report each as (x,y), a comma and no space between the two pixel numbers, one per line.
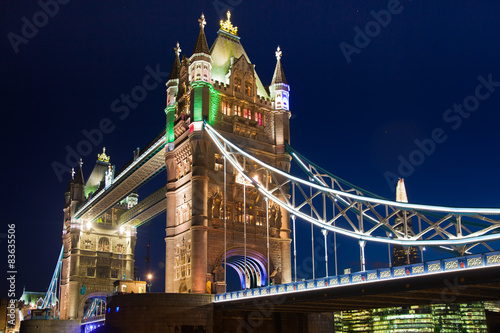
(248,88)
(237,84)
(103,244)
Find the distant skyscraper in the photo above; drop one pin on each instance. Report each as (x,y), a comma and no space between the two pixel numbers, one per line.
(403,255)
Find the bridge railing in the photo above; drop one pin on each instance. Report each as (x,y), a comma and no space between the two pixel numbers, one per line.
(430,267)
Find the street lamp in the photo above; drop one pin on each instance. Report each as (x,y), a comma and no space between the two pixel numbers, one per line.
(150,277)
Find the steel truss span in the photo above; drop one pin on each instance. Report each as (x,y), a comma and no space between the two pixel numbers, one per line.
(335,205)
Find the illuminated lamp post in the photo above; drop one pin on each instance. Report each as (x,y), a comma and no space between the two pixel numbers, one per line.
(150,277)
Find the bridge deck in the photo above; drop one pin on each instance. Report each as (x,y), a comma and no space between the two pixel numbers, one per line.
(464,279)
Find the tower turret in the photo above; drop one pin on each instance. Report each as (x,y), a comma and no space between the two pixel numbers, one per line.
(173,79)
(280,90)
(78,193)
(201,61)
(172,91)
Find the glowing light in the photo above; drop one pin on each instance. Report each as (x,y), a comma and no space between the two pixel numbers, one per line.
(89,225)
(122,229)
(150,276)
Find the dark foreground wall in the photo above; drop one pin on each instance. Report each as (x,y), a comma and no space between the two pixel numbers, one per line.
(157,312)
(50,326)
(194,313)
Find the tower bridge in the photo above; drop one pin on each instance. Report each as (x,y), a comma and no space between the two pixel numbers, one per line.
(231,201)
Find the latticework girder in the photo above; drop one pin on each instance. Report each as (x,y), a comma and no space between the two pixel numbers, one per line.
(336,205)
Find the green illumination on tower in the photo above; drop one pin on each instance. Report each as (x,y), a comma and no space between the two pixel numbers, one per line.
(198,101)
(214,105)
(169,132)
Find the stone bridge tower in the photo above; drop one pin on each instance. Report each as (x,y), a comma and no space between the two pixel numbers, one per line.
(220,85)
(96,253)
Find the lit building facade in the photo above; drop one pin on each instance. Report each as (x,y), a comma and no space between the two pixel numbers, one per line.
(454,317)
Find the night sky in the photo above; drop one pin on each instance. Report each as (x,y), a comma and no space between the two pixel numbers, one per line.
(356,110)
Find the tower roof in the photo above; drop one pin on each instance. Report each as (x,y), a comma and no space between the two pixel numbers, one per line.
(225,50)
(201,43)
(174,73)
(279,74)
(401,191)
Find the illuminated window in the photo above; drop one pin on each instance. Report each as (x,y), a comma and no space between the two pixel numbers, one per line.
(219,163)
(88,245)
(237,84)
(103,244)
(226,108)
(237,110)
(258,117)
(248,89)
(119,248)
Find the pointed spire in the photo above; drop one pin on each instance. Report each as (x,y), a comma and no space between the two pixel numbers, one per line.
(201,43)
(174,73)
(79,175)
(279,74)
(68,189)
(401,191)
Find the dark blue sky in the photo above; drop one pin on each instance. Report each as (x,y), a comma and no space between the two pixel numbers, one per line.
(359,119)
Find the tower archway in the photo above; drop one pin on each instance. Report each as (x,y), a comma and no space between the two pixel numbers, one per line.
(251,269)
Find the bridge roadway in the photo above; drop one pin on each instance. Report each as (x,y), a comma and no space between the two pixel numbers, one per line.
(139,171)
(462,279)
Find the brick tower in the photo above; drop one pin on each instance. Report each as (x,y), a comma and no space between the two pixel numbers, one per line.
(220,85)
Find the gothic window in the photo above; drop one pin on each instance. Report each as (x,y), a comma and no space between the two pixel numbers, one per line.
(226,108)
(198,72)
(258,117)
(88,245)
(114,274)
(205,73)
(103,244)
(219,163)
(119,248)
(248,88)
(90,272)
(247,113)
(237,84)
(237,110)
(259,218)
(239,212)
(183,260)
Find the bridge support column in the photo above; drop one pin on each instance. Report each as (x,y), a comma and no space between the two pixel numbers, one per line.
(199,218)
